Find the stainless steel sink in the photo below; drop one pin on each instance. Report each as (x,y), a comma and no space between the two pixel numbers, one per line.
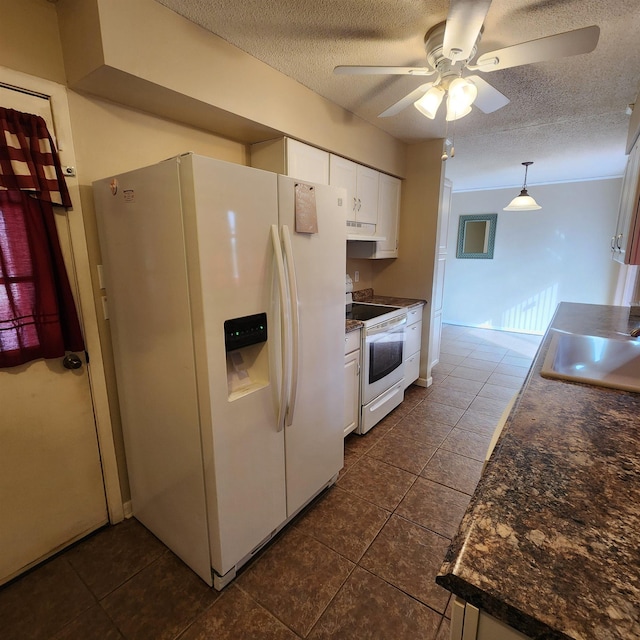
(604,362)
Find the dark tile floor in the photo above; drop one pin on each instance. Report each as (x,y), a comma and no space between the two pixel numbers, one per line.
(359,563)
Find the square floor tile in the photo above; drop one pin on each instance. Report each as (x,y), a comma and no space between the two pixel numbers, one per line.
(235,615)
(453,349)
(451,397)
(409,557)
(42,602)
(468,373)
(488,356)
(434,507)
(450,358)
(378,482)
(479,365)
(491,406)
(436,412)
(114,554)
(453,470)
(467,443)
(369,608)
(160,601)
(461,384)
(511,370)
(93,623)
(518,361)
(444,632)
(402,452)
(499,393)
(343,521)
(419,427)
(505,381)
(295,579)
(481,423)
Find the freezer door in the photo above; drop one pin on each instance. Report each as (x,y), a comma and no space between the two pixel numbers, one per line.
(314,439)
(230,264)
(140,227)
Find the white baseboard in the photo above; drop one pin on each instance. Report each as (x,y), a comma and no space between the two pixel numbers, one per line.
(128,509)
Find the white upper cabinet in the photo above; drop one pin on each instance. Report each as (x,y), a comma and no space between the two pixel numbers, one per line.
(388,216)
(307,163)
(291,158)
(361,184)
(625,245)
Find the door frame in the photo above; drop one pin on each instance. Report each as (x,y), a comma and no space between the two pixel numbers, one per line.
(81,277)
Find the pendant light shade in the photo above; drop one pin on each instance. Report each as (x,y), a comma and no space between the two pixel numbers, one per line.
(430,102)
(523,202)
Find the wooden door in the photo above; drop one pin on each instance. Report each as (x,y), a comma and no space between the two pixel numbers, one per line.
(51,483)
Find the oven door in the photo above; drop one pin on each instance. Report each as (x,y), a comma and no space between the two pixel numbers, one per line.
(384,346)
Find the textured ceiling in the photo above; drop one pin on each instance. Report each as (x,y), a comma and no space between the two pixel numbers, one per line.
(568,116)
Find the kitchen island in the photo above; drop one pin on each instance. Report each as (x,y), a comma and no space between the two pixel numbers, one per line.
(550,542)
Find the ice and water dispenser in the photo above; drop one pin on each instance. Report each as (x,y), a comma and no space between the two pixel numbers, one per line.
(245,342)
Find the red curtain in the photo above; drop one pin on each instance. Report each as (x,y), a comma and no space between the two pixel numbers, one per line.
(38,318)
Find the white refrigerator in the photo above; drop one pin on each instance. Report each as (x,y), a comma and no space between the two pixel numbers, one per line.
(225,299)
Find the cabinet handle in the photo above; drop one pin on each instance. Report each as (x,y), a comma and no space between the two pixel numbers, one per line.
(613,240)
(618,242)
(359,204)
(355,203)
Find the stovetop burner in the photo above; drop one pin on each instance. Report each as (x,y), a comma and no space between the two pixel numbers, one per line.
(368,311)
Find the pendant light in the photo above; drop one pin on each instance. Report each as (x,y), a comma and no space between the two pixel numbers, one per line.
(523,202)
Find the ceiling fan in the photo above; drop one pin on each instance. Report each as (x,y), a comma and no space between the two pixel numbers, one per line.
(451,46)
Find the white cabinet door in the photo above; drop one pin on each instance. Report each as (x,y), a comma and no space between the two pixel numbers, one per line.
(343,173)
(388,216)
(435,330)
(622,244)
(361,184)
(291,158)
(308,163)
(367,193)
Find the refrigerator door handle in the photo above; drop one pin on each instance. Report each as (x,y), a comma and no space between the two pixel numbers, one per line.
(295,324)
(286,320)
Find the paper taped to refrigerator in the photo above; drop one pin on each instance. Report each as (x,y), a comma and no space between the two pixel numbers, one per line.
(305,208)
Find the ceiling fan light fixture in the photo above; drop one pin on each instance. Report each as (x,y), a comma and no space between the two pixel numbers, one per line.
(454,113)
(523,202)
(460,97)
(462,92)
(430,102)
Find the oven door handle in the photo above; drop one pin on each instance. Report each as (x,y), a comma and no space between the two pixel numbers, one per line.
(386,326)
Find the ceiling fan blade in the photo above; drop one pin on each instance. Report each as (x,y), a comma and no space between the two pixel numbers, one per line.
(489,99)
(562,45)
(464,22)
(393,71)
(416,94)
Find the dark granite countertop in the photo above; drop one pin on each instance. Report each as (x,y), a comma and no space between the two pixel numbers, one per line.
(550,542)
(366,295)
(352,325)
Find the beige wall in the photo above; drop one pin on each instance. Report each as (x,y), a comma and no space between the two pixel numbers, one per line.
(29,39)
(112,139)
(204,79)
(411,274)
(133,96)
